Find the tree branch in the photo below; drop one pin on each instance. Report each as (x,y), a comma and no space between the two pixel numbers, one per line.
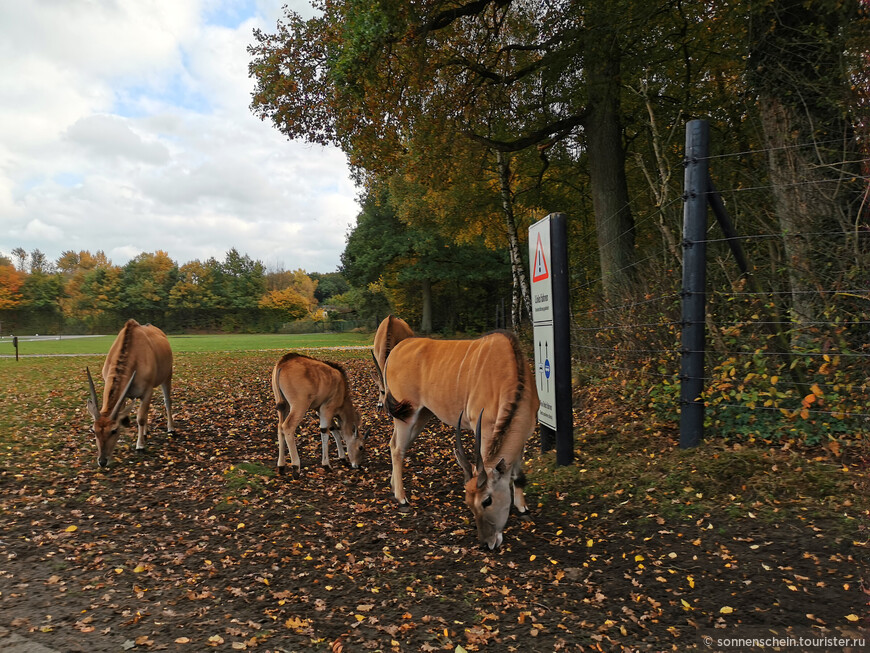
(555,131)
(446,18)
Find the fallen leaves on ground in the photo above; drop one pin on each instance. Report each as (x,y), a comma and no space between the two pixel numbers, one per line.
(198,545)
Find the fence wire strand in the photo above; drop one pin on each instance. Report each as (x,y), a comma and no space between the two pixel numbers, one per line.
(613,342)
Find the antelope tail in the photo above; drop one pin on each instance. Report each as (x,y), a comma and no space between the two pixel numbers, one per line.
(283,403)
(399,409)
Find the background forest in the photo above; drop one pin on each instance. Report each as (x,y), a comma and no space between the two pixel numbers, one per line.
(466,122)
(83,292)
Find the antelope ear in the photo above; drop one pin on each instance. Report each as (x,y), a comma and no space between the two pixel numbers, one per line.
(92,409)
(124,413)
(501,468)
(481,478)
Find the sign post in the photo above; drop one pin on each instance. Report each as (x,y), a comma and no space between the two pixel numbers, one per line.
(548,258)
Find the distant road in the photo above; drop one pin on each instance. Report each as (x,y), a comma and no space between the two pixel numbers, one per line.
(39,337)
(59,345)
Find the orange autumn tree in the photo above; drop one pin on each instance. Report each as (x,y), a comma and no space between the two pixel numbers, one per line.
(10,286)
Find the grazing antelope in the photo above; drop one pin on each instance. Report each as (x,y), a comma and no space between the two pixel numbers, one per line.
(139,360)
(391,331)
(455,380)
(300,383)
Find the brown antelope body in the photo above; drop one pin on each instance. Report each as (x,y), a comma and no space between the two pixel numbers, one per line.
(461,382)
(300,383)
(391,331)
(139,360)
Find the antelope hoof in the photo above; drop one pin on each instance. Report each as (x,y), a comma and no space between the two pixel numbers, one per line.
(282,469)
(140,449)
(404,507)
(326,468)
(103,462)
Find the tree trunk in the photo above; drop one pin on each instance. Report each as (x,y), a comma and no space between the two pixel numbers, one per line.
(796,68)
(614,222)
(426,318)
(798,205)
(522,297)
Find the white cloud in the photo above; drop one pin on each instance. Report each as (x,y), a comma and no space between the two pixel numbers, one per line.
(112,137)
(125,127)
(38,229)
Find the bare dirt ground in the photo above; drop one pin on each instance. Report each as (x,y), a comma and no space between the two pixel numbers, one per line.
(196,546)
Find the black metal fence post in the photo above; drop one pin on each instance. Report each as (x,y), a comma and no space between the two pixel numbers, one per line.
(562,338)
(694,281)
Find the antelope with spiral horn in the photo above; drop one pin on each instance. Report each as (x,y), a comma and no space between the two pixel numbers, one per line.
(139,360)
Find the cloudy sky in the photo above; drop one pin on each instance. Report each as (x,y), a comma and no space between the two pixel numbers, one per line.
(125,127)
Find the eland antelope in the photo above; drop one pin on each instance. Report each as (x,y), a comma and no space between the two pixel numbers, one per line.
(139,360)
(391,331)
(300,383)
(456,380)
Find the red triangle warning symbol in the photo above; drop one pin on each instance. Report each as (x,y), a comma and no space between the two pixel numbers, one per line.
(540,271)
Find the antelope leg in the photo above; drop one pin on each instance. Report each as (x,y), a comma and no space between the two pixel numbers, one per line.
(142,418)
(398,448)
(167,404)
(287,432)
(518,481)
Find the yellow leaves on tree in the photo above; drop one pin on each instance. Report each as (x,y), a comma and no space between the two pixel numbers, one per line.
(286,300)
(10,284)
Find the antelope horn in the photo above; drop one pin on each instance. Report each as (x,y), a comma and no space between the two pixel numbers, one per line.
(459,451)
(93,389)
(377,365)
(477,450)
(481,472)
(123,396)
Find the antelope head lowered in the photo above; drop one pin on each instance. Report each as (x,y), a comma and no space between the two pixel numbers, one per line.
(139,360)
(487,491)
(300,383)
(452,379)
(391,331)
(107,426)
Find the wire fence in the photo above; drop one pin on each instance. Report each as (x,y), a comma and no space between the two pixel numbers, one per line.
(787,341)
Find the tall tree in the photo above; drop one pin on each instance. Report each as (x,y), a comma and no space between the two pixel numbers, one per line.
(800,74)
(244,280)
(75,267)
(21,256)
(297,280)
(40,263)
(147,281)
(417,262)
(329,284)
(10,287)
(286,303)
(507,75)
(196,287)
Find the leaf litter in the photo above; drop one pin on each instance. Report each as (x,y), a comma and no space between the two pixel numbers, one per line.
(198,545)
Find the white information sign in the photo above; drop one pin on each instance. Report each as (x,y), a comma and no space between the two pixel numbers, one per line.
(542,280)
(542,320)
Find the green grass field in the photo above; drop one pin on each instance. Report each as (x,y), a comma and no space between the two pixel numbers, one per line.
(198,343)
